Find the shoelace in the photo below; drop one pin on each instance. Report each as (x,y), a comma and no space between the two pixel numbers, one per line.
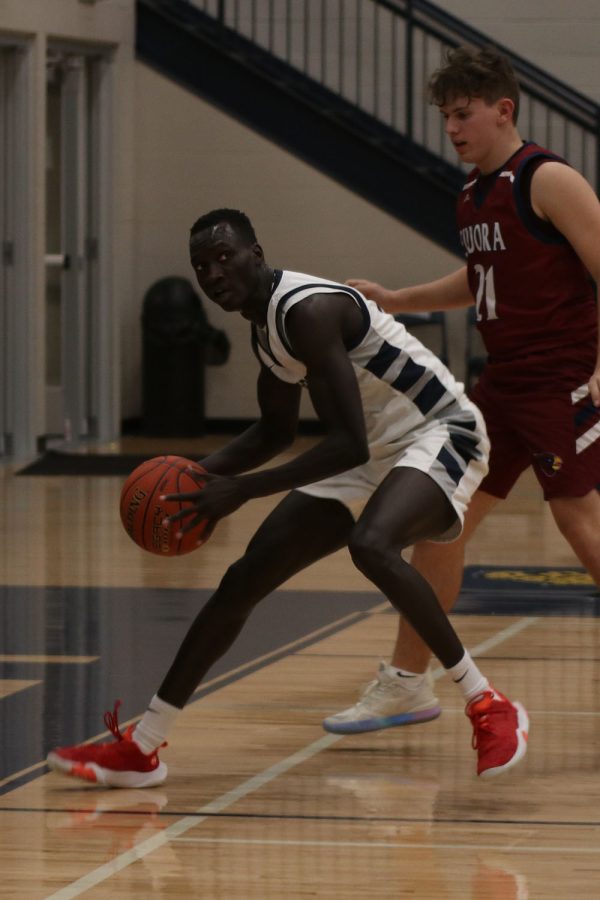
(374,687)
(111,720)
(377,688)
(482,724)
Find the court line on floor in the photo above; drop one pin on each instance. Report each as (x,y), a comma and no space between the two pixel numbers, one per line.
(298,817)
(392,845)
(177,829)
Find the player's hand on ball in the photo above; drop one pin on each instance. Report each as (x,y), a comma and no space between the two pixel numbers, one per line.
(145,516)
(218,497)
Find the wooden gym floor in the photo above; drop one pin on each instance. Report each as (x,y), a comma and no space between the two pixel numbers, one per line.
(260,802)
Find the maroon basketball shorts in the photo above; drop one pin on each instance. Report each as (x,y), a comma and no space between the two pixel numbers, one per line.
(556,431)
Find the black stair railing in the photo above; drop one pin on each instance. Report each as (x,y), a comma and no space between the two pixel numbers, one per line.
(379,54)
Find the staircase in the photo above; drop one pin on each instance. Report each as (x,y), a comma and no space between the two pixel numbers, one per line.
(342,85)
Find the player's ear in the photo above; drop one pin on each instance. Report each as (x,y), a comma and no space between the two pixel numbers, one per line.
(258,252)
(506,109)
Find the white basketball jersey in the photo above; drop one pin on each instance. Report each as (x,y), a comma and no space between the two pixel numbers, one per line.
(402,383)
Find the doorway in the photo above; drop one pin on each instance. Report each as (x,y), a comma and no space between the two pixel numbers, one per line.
(78,318)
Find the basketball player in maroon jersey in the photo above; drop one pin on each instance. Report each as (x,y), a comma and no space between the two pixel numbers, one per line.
(529,225)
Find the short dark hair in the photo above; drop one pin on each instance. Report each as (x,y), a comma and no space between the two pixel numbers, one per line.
(475,72)
(238,220)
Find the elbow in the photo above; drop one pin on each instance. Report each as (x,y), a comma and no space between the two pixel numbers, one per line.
(355,453)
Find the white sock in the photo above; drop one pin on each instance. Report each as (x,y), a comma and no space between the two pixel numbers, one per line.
(468,677)
(152,730)
(410,681)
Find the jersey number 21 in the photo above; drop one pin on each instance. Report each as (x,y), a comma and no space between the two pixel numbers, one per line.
(485,298)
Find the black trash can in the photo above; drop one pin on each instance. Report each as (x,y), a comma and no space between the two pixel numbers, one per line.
(178,342)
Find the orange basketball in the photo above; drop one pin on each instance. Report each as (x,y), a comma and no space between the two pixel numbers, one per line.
(143,512)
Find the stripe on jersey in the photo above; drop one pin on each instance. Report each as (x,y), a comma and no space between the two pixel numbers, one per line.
(466,446)
(411,372)
(584,412)
(314,288)
(430,394)
(450,464)
(409,376)
(579,393)
(383,359)
(583,442)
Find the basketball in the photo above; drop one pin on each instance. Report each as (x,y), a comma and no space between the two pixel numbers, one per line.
(143,512)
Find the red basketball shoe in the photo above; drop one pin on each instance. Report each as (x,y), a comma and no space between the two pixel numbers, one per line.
(500,732)
(118,764)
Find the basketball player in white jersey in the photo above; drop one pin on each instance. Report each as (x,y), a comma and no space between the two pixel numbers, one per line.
(400,438)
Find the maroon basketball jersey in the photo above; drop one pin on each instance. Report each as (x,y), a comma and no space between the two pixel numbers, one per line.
(532,292)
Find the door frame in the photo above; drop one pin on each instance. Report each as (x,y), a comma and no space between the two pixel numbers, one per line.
(20,365)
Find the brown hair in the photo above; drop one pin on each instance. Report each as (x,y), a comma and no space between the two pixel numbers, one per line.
(471,72)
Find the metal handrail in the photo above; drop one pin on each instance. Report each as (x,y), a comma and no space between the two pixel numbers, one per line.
(379,54)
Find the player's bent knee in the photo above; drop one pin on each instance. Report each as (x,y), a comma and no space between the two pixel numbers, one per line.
(368,550)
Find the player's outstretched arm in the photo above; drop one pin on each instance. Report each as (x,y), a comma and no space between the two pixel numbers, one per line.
(450,292)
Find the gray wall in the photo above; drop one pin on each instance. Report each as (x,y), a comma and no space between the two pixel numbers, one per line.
(561,37)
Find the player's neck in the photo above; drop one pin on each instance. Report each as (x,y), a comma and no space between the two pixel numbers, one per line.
(500,153)
(255,309)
